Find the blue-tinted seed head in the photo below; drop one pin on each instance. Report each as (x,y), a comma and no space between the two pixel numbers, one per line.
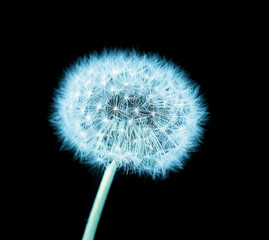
(139,110)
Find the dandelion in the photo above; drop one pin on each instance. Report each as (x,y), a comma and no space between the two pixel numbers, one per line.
(125,110)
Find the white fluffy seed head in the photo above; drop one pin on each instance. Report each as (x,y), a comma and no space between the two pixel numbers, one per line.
(137,109)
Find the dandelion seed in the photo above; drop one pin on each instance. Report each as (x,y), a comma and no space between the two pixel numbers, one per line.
(105,120)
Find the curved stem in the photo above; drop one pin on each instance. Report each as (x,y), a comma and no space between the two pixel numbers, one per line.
(99,202)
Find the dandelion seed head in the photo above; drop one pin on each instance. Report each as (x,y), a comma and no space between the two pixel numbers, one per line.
(137,109)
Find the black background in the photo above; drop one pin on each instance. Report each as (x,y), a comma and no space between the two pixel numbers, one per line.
(198,201)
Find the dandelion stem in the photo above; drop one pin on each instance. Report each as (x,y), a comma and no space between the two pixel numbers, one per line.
(99,202)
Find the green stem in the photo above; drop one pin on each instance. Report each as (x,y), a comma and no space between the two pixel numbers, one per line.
(99,202)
